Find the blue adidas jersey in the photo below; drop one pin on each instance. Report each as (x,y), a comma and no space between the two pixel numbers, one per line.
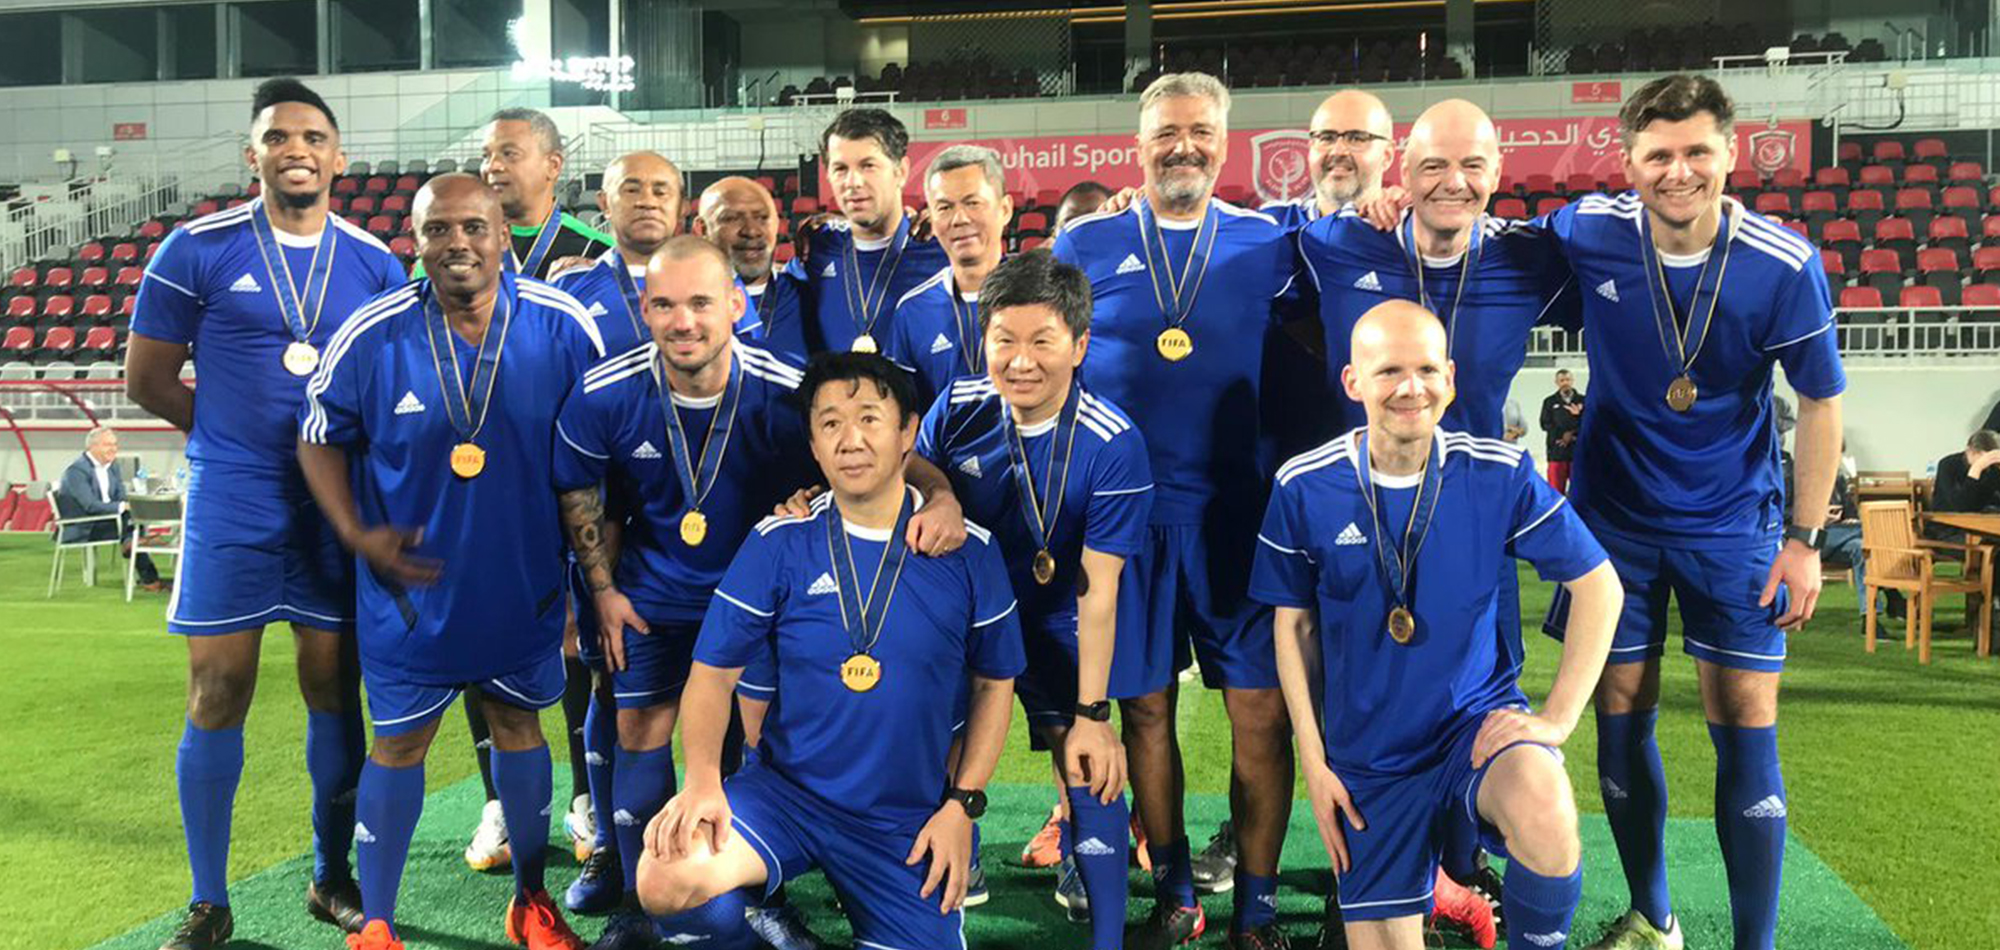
(780,325)
(1708,477)
(1391,708)
(499,605)
(936,340)
(879,756)
(832,322)
(1106,498)
(1295,213)
(621,318)
(613,431)
(1519,279)
(209,287)
(1199,415)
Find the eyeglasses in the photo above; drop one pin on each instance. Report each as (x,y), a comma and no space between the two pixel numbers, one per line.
(1354,139)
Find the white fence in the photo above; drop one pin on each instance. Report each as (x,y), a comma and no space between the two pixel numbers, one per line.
(56,217)
(1884,333)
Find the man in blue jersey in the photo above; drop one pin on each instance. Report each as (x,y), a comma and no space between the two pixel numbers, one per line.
(641,199)
(440,398)
(1689,303)
(1183,288)
(936,331)
(1380,552)
(1353,140)
(256,292)
(692,468)
(1063,479)
(857,267)
(870,645)
(741,217)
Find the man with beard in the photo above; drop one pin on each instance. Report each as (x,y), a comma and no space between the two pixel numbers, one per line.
(740,216)
(1562,415)
(1353,140)
(256,293)
(936,334)
(425,438)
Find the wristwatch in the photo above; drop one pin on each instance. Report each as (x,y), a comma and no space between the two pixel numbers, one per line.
(1099,711)
(1810,537)
(972,800)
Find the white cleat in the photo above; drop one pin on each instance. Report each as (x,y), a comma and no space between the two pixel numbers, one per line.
(489,850)
(581,823)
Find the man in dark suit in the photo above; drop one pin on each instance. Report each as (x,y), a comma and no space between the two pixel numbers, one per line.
(1562,416)
(90,486)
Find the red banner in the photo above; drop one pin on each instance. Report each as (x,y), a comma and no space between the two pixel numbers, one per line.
(128,131)
(1596,91)
(1271,165)
(944,118)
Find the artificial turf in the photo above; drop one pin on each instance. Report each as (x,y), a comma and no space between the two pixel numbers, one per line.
(1890,767)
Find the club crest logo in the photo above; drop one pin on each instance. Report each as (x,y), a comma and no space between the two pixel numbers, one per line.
(1772,149)
(1281,165)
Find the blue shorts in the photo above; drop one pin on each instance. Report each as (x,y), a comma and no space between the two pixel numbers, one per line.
(1414,822)
(257,551)
(1194,582)
(1717,591)
(794,832)
(398,706)
(656,664)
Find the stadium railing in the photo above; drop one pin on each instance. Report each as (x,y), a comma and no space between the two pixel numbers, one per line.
(1930,333)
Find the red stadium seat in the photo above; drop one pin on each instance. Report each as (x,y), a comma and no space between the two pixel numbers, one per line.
(1819,201)
(407,184)
(97,307)
(1946,229)
(1540,183)
(1032,222)
(1920,175)
(18,340)
(1046,198)
(1799,228)
(1879,261)
(237,202)
(23,308)
(153,230)
(1829,261)
(1928,148)
(59,339)
(346,185)
(1968,172)
(1894,229)
(1909,199)
(1583,183)
(1835,177)
(1030,243)
(1986,259)
(336,204)
(382,224)
(1743,179)
(364,205)
(127,306)
(1850,151)
(129,277)
(376,185)
(1510,207)
(59,307)
(103,339)
(782,254)
(399,204)
(152,248)
(125,252)
(1550,205)
(1877,175)
(90,253)
(1959,196)
(402,246)
(1860,297)
(1887,150)
(1866,201)
(1774,202)
(1919,295)
(206,207)
(59,278)
(1981,295)
(805,204)
(24,278)
(94,277)
(1933,259)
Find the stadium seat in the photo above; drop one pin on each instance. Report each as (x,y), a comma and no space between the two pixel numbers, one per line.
(1789,179)
(399,204)
(1032,222)
(1798,227)
(1928,148)
(805,204)
(1510,207)
(1922,176)
(24,278)
(1862,318)
(60,307)
(1829,261)
(18,341)
(1982,295)
(403,246)
(1774,202)
(376,185)
(58,278)
(124,252)
(1949,234)
(1580,183)
(1743,181)
(1914,204)
(1866,208)
(206,207)
(129,277)
(97,307)
(1550,205)
(783,254)
(1887,151)
(1843,237)
(363,205)
(125,309)
(1965,173)
(1860,297)
(153,230)
(94,277)
(1849,153)
(1962,203)
(1921,295)
(100,341)
(1898,235)
(23,307)
(1818,207)
(383,225)
(1877,178)
(1986,263)
(1937,268)
(346,185)
(90,253)
(407,184)
(1881,270)
(57,342)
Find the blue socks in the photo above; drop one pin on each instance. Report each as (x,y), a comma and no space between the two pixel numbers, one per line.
(1173,872)
(335,748)
(1538,909)
(207,768)
(1098,839)
(600,749)
(716,925)
(526,787)
(1750,824)
(387,807)
(1634,786)
(642,783)
(1256,901)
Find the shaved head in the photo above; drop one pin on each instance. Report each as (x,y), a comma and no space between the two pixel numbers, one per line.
(1453,124)
(1354,109)
(461,235)
(1353,140)
(1394,323)
(452,186)
(642,165)
(1451,165)
(641,197)
(1399,369)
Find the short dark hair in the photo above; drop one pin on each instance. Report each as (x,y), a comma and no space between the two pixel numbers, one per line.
(271,92)
(1036,277)
(835,366)
(1985,440)
(545,127)
(1676,98)
(1083,188)
(856,124)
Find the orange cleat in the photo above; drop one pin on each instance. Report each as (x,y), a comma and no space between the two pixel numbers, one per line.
(1044,850)
(538,925)
(374,935)
(1456,907)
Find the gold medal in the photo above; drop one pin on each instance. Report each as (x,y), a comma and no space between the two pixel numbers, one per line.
(865,344)
(467,460)
(694,529)
(1174,344)
(1681,393)
(1045,567)
(860,673)
(1402,625)
(301,359)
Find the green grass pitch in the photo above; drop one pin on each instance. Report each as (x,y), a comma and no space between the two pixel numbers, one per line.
(1891,770)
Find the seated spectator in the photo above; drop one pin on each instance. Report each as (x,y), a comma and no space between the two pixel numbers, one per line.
(90,487)
(1969,480)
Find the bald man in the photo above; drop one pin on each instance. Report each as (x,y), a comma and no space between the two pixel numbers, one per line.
(1380,552)
(1353,141)
(741,217)
(440,397)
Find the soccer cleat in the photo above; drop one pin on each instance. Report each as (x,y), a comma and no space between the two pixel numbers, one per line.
(1141,858)
(206,927)
(1486,883)
(598,886)
(581,823)
(975,885)
(538,925)
(375,936)
(1634,932)
(1070,895)
(1457,908)
(338,902)
(1332,927)
(1167,926)
(628,930)
(1266,937)
(488,850)
(783,927)
(1044,850)
(1215,866)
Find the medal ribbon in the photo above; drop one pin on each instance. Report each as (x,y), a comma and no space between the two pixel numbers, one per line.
(864,302)
(1673,338)
(966,320)
(300,310)
(1177,292)
(864,616)
(467,411)
(1399,560)
(544,240)
(1465,268)
(1041,518)
(628,291)
(698,477)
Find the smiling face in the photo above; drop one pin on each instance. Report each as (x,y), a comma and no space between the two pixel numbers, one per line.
(1399,371)
(641,199)
(968,214)
(867,183)
(296,153)
(519,167)
(1032,356)
(739,215)
(691,306)
(860,436)
(1183,141)
(1451,167)
(1680,168)
(461,235)
(105,448)
(1353,141)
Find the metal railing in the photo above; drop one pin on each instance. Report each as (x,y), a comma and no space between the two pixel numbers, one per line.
(58,217)
(1892,333)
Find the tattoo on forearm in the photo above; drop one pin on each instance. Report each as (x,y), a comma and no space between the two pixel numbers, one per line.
(583,515)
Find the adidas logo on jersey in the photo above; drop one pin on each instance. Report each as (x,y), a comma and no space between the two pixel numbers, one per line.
(646,451)
(680,940)
(596,309)
(1612,791)
(1350,535)
(409,405)
(623,818)
(942,344)
(823,585)
(1369,281)
(970,467)
(1547,939)
(828,273)
(362,834)
(1093,847)
(246,284)
(1130,263)
(1771,807)
(1608,290)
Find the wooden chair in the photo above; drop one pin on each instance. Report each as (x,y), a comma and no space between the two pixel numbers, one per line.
(1899,559)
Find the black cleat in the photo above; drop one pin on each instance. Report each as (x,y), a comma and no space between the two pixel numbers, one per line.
(207,927)
(337,901)
(1332,927)
(1167,926)
(1266,937)
(1486,883)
